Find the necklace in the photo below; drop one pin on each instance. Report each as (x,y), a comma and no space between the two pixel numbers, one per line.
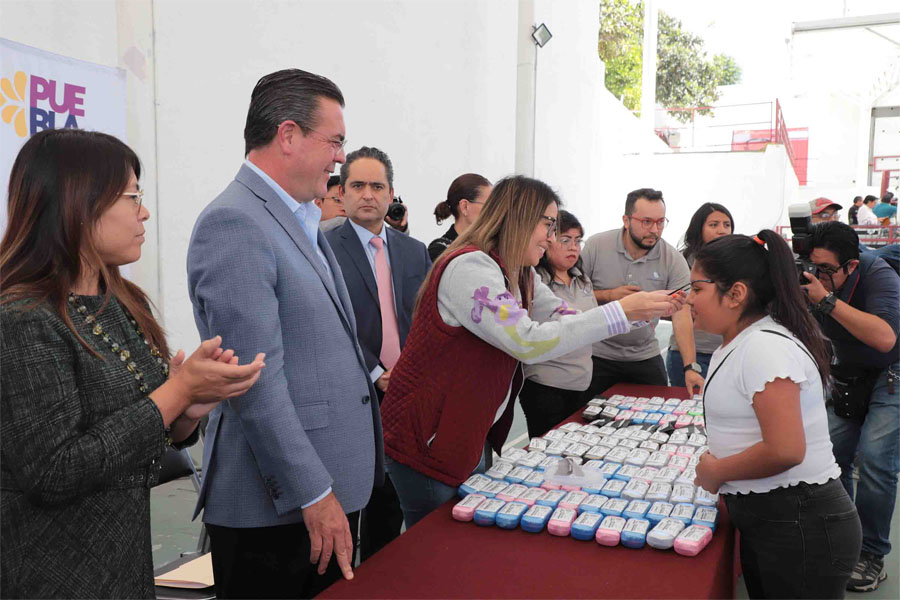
(119,349)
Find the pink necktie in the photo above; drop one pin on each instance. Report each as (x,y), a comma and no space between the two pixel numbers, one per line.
(390,335)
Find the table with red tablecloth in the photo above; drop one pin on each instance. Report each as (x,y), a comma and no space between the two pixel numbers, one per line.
(443,558)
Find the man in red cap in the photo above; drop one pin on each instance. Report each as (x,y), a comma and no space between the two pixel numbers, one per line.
(824,209)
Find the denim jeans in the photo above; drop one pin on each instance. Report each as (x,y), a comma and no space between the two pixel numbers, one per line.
(797,542)
(875,441)
(675,366)
(420,494)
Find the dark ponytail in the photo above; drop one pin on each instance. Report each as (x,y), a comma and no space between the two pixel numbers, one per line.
(773,288)
(464,187)
(442,211)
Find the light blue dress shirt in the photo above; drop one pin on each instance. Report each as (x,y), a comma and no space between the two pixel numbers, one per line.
(306,213)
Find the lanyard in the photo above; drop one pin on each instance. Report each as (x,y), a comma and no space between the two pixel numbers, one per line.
(710,378)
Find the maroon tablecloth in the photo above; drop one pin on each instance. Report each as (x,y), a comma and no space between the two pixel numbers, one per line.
(443,558)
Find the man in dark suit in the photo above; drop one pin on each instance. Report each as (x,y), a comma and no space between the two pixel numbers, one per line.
(383,270)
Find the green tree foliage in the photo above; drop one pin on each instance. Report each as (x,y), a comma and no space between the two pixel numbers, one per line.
(685,77)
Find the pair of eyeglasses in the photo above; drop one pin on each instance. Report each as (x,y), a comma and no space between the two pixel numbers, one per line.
(688,285)
(335,199)
(551,224)
(566,241)
(336,145)
(648,223)
(137,197)
(830,270)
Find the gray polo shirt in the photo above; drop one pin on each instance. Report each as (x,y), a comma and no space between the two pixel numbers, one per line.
(572,371)
(609,265)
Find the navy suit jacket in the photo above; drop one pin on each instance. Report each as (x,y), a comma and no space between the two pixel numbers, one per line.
(409,265)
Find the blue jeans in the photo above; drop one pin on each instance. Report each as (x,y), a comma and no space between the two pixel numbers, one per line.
(675,366)
(419,494)
(875,440)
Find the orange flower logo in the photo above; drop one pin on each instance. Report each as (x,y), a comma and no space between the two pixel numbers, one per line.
(14,94)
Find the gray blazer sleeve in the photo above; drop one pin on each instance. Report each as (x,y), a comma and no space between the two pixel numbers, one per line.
(46,447)
(233,279)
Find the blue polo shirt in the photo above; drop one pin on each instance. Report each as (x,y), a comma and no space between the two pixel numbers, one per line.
(884,209)
(874,288)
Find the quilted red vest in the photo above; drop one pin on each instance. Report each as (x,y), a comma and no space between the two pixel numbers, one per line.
(445,392)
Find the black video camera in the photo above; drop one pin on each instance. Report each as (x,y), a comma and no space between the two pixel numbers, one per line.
(396,210)
(801,240)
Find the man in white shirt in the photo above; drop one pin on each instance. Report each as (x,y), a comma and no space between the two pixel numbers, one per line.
(865,214)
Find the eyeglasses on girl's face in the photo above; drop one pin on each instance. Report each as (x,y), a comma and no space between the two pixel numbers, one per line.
(567,241)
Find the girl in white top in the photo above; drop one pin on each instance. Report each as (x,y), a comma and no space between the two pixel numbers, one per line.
(770,452)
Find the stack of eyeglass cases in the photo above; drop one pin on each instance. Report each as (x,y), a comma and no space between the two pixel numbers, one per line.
(626,477)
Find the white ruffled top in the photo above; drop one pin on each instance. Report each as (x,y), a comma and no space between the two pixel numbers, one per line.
(754,358)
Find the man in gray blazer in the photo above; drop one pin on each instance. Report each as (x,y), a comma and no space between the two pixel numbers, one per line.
(367,182)
(286,468)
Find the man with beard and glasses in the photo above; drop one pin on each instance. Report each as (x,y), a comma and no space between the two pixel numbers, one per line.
(635,258)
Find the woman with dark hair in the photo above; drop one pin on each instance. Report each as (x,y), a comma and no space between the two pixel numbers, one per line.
(477,318)
(465,197)
(770,452)
(89,402)
(554,389)
(711,221)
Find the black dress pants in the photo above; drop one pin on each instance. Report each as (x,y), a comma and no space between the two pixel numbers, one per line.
(545,406)
(381,519)
(269,562)
(608,373)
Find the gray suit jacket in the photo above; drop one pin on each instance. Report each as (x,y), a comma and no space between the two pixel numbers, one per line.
(312,420)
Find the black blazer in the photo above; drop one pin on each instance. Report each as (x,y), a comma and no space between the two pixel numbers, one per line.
(409,265)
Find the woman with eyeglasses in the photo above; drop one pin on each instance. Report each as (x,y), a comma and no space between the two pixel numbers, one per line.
(555,389)
(711,221)
(480,314)
(770,452)
(465,197)
(89,402)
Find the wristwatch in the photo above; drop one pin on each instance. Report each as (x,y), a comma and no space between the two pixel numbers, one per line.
(694,366)
(826,304)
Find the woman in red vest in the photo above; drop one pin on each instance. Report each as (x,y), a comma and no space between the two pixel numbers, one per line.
(477,319)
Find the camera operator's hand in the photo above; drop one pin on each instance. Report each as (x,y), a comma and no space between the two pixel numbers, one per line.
(398,225)
(814,290)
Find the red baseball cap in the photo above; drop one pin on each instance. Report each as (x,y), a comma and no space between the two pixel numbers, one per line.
(820,204)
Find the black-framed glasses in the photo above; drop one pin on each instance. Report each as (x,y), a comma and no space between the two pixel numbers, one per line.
(137,197)
(648,223)
(689,285)
(551,224)
(830,270)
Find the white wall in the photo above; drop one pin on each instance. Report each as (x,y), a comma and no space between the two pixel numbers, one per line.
(431,83)
(114,33)
(569,80)
(755,186)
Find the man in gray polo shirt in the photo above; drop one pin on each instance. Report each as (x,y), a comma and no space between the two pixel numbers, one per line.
(635,258)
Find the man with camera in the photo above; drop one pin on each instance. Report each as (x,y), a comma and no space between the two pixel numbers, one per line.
(854,297)
(383,270)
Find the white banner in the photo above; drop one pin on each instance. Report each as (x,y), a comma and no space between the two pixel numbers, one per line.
(40,90)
